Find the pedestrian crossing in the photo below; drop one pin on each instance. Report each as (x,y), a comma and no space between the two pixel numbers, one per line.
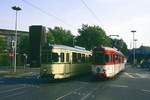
(136,75)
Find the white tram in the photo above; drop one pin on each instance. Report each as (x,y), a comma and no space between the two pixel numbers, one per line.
(65,61)
(107,62)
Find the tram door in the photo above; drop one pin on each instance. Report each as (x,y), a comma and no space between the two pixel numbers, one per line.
(113,65)
(67,65)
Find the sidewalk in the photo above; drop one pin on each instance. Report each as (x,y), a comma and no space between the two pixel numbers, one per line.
(19,73)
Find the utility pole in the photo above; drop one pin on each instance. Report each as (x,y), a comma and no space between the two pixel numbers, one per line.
(15,47)
(133,31)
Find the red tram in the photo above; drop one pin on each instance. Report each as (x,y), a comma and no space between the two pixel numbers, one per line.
(107,62)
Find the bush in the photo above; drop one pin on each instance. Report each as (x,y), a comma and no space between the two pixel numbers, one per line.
(4,60)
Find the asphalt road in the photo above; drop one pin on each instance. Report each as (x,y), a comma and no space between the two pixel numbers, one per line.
(132,84)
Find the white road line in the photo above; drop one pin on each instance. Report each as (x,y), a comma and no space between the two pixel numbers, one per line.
(143,75)
(83,82)
(84,97)
(33,86)
(11,86)
(140,75)
(13,95)
(14,89)
(118,85)
(145,90)
(69,93)
(131,76)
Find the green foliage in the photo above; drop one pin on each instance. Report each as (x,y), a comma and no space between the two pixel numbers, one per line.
(120,45)
(91,36)
(50,37)
(23,44)
(4,60)
(58,35)
(3,44)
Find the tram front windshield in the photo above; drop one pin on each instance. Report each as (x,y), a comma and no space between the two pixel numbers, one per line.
(100,57)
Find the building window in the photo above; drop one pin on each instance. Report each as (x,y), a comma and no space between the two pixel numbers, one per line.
(74,57)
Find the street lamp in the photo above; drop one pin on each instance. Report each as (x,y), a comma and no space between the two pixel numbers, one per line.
(15,48)
(112,39)
(135,60)
(114,35)
(135,42)
(133,31)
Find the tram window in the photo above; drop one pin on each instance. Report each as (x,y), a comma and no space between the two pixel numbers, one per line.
(62,57)
(116,57)
(54,57)
(89,58)
(83,58)
(100,57)
(67,57)
(119,58)
(107,58)
(110,58)
(74,57)
(122,59)
(79,57)
(86,58)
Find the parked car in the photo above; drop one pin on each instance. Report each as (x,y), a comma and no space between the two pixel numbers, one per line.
(145,64)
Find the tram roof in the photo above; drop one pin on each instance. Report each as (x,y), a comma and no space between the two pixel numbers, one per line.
(108,49)
(76,48)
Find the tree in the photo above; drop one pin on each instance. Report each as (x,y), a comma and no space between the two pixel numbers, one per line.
(120,45)
(91,36)
(58,35)
(23,44)
(50,38)
(3,44)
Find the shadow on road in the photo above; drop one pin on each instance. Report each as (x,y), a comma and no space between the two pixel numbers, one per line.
(35,79)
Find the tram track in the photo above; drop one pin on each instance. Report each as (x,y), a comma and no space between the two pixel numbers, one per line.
(82,93)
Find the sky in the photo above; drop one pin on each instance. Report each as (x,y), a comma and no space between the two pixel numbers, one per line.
(116,17)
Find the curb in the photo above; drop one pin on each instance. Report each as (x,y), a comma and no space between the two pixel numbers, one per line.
(9,74)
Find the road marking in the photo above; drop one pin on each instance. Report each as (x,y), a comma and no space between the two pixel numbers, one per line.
(145,90)
(13,95)
(84,97)
(33,86)
(140,75)
(131,76)
(68,93)
(143,75)
(5,91)
(83,82)
(117,85)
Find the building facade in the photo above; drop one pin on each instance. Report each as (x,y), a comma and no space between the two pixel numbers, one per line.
(8,36)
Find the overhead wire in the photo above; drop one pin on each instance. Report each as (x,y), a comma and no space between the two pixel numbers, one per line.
(47,13)
(92,12)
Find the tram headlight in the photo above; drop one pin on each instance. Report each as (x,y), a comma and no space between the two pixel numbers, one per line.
(98,69)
